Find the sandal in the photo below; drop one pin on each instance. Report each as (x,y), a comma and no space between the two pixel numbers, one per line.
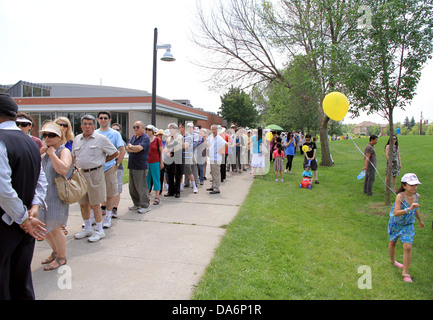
(407,278)
(398,265)
(156,201)
(50,259)
(60,262)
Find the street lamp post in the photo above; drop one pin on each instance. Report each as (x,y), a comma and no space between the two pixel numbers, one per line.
(167,57)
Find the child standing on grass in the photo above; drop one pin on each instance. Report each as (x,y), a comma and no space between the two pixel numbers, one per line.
(401,222)
(278,156)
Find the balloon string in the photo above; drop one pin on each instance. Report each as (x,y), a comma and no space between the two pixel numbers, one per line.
(351,138)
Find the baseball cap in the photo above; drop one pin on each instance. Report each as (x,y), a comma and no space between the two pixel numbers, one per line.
(410,179)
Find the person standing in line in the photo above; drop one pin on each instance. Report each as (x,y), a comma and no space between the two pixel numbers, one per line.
(25,123)
(90,151)
(138,149)
(225,161)
(189,147)
(56,161)
(156,163)
(258,147)
(119,172)
(173,160)
(22,194)
(370,165)
(68,134)
(110,168)
(216,151)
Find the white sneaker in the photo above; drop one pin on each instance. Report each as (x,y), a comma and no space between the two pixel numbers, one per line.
(195,190)
(144,210)
(107,222)
(97,235)
(84,234)
(133,208)
(181,186)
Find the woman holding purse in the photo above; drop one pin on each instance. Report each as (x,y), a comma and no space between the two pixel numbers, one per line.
(56,161)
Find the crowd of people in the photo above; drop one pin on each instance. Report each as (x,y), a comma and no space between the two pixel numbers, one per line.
(173,159)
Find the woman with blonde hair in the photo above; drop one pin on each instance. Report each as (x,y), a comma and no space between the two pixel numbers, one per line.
(68,134)
(56,161)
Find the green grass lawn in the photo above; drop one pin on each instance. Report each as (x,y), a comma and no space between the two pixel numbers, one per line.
(292,243)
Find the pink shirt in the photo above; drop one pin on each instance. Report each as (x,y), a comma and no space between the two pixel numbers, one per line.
(277,154)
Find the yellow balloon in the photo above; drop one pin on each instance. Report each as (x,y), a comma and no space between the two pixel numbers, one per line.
(336,106)
(269,136)
(305,148)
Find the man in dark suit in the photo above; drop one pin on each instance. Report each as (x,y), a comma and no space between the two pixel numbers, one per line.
(22,193)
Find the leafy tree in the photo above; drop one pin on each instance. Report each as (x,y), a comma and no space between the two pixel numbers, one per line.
(388,58)
(294,108)
(412,122)
(238,108)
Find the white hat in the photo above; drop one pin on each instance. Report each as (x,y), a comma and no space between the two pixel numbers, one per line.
(152,128)
(410,179)
(22,119)
(52,128)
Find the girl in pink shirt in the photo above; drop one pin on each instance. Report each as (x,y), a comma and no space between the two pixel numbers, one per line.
(278,156)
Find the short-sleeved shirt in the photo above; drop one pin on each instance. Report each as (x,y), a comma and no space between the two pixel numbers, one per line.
(138,161)
(91,152)
(154,155)
(311,147)
(116,139)
(373,159)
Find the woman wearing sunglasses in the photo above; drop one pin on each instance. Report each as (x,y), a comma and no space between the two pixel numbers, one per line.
(68,134)
(25,123)
(56,161)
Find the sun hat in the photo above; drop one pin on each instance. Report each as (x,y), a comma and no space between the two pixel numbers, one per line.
(151,127)
(160,131)
(410,179)
(52,128)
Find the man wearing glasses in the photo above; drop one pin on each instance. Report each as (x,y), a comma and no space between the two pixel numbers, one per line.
(138,148)
(110,168)
(91,151)
(25,123)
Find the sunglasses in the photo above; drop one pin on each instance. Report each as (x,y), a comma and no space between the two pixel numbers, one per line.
(136,127)
(64,125)
(49,135)
(23,124)
(148,129)
(103,118)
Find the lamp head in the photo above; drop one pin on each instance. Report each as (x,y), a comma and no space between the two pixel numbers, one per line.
(168,56)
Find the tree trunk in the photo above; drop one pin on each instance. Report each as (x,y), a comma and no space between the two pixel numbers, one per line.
(389,162)
(324,143)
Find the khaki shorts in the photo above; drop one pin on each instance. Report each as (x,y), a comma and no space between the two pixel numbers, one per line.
(96,189)
(111,182)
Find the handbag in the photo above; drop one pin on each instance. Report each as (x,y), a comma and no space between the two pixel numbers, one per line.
(73,189)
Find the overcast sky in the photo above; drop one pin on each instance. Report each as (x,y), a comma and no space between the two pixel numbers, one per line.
(110,42)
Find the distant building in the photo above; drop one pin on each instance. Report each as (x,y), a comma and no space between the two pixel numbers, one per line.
(47,101)
(364,127)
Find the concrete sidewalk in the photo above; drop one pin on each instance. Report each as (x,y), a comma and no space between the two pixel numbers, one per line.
(160,255)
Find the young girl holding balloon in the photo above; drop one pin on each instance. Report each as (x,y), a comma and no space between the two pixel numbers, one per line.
(401,222)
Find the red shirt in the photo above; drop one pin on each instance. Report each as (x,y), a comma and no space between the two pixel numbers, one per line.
(154,155)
